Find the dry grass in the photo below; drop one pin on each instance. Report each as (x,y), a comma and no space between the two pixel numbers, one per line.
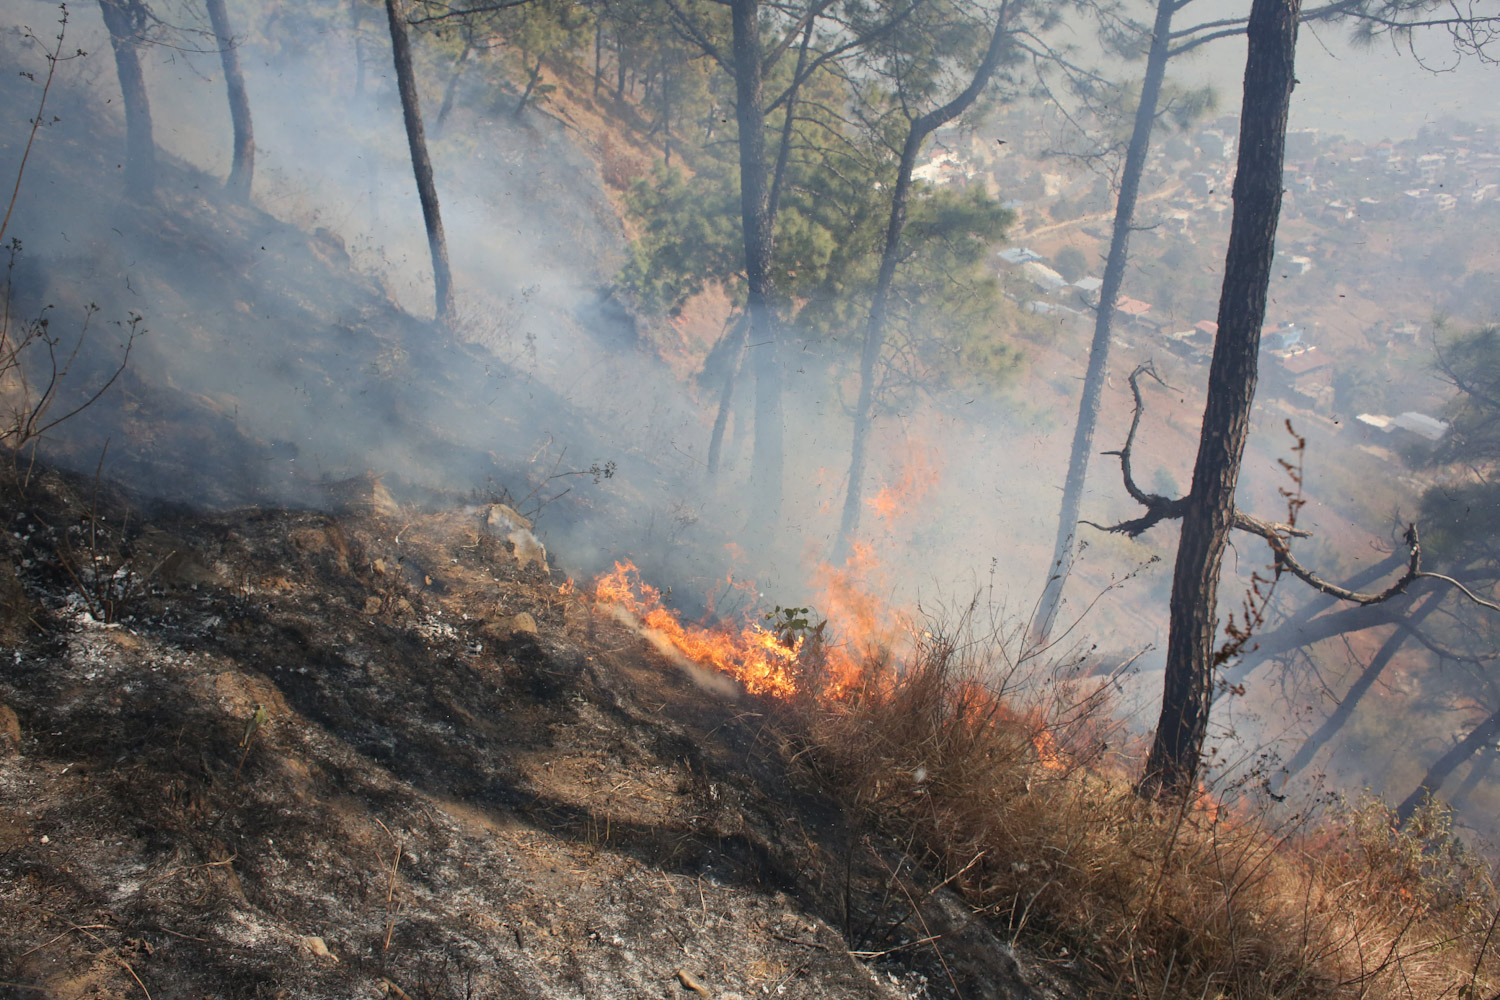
(1011,790)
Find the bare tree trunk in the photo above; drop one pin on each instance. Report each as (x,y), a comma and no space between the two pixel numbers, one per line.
(735,351)
(1098,367)
(1187,697)
(531,82)
(451,90)
(767,455)
(1361,686)
(355,17)
(666,117)
(783,151)
(1477,774)
(416,139)
(1480,736)
(598,54)
(619,69)
(916,135)
(773,203)
(126,19)
(242,172)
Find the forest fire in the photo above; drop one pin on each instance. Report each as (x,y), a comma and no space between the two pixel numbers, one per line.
(792,654)
(755,657)
(798,655)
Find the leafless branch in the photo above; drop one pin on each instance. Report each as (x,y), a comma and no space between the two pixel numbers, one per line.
(1277,536)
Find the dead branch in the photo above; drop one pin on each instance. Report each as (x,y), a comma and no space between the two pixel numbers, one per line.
(1277,535)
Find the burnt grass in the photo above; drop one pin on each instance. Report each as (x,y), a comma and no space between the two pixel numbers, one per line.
(573,816)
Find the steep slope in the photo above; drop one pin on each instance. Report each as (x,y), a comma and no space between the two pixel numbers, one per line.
(325,755)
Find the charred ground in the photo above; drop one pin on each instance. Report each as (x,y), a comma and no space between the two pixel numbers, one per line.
(573,815)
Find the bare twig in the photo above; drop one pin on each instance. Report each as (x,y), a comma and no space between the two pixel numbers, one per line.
(1277,535)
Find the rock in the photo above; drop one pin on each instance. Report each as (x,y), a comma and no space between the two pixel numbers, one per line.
(10,727)
(318,947)
(504,628)
(372,605)
(362,495)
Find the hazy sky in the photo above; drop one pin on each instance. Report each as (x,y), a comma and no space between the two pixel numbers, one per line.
(1370,94)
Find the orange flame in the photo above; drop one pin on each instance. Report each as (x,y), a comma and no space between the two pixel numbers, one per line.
(753,656)
(815,661)
(1047,750)
(871,636)
(915,479)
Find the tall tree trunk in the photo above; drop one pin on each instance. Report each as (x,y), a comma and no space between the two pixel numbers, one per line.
(784,150)
(531,82)
(619,69)
(126,19)
(1477,774)
(1098,367)
(356,16)
(1480,736)
(598,53)
(916,135)
(451,90)
(1187,697)
(735,351)
(242,172)
(416,139)
(1361,686)
(666,117)
(750,115)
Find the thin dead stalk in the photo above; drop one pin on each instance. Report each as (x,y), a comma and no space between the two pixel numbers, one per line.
(390,890)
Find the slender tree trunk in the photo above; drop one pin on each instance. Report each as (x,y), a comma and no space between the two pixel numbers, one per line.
(242,172)
(1361,686)
(666,116)
(783,151)
(916,135)
(416,139)
(736,350)
(1098,367)
(766,457)
(1187,697)
(531,82)
(126,19)
(355,18)
(1477,774)
(451,90)
(1480,736)
(619,69)
(598,54)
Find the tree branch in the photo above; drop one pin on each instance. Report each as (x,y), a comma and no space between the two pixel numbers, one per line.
(1278,536)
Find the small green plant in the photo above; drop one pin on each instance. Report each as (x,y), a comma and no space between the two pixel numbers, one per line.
(252,728)
(794,626)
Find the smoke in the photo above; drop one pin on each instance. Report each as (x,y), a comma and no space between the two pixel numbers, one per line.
(289,347)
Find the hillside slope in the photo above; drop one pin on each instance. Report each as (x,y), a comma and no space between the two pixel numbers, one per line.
(468,780)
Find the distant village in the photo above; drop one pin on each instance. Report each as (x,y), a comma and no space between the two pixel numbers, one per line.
(1336,189)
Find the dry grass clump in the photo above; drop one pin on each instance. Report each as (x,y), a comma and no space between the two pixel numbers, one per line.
(1010,789)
